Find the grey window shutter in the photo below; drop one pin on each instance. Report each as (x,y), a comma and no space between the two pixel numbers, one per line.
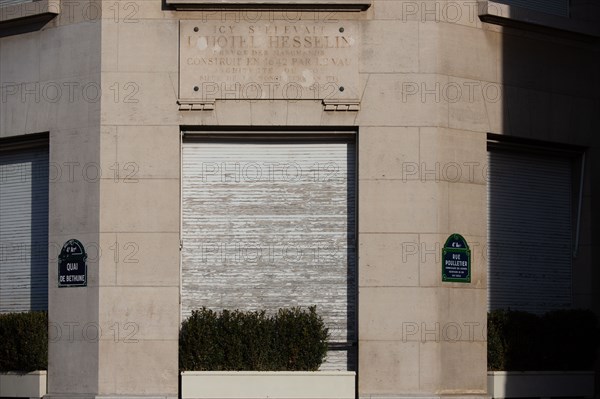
(269,225)
(529,231)
(24,230)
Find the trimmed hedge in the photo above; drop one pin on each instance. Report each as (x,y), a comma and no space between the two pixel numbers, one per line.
(23,342)
(295,339)
(292,339)
(561,340)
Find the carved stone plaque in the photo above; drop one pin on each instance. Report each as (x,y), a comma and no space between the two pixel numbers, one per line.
(268,60)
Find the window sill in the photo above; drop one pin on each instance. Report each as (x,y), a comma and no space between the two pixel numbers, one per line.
(507,15)
(320,5)
(16,18)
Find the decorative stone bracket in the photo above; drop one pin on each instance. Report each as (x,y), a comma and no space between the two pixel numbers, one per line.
(341,105)
(196,105)
(209,105)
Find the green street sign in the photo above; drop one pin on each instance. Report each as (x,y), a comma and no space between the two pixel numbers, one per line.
(456,260)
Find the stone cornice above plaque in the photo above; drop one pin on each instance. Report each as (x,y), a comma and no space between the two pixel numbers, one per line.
(323,5)
(495,12)
(26,17)
(341,105)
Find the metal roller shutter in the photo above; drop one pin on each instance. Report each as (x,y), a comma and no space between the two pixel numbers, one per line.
(270,224)
(529,231)
(24,230)
(556,7)
(11,2)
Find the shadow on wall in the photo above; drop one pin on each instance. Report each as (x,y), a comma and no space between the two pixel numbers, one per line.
(39,231)
(351,346)
(551,97)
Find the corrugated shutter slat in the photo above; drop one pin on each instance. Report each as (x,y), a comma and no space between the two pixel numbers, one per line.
(4,3)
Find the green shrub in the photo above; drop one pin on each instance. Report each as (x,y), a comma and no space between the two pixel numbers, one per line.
(495,336)
(557,340)
(23,341)
(300,339)
(292,339)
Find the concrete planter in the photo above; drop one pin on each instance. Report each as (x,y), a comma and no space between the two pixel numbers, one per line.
(545,384)
(30,385)
(267,384)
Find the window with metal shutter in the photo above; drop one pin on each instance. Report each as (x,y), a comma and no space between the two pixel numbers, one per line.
(24,230)
(270,224)
(529,231)
(556,7)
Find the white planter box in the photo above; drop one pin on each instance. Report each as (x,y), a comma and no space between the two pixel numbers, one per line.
(544,384)
(30,385)
(267,384)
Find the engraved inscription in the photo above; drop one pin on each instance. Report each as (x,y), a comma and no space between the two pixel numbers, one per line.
(268,60)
